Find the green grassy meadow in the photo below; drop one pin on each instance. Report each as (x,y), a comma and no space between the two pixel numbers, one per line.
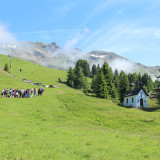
(65,124)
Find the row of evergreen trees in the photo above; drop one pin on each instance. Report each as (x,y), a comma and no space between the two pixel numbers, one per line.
(76,77)
(105,83)
(118,83)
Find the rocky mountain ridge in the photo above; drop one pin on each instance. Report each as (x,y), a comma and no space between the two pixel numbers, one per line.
(53,56)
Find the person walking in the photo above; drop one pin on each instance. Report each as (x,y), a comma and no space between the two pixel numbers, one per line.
(10,92)
(2,93)
(35,92)
(32,92)
(6,93)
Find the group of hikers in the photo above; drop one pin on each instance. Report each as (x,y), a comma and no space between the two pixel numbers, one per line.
(16,93)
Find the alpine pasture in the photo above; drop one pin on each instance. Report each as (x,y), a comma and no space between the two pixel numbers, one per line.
(66,124)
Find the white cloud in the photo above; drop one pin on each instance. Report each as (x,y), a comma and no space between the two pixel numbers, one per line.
(5,35)
(71,43)
(125,65)
(131,41)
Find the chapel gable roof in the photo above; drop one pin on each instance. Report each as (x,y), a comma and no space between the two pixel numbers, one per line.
(134,92)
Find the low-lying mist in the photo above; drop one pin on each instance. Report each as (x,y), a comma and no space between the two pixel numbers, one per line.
(51,55)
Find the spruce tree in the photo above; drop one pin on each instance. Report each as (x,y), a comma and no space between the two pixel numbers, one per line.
(116,79)
(145,88)
(93,84)
(150,84)
(156,84)
(147,82)
(98,67)
(70,77)
(79,81)
(86,69)
(76,78)
(94,70)
(85,85)
(130,77)
(115,93)
(139,80)
(124,86)
(108,74)
(158,96)
(101,87)
(145,77)
(6,68)
(134,79)
(84,65)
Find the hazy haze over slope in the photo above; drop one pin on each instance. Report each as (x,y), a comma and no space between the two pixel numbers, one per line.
(51,55)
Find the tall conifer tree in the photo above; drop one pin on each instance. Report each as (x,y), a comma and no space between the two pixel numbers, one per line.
(70,77)
(98,67)
(116,79)
(84,66)
(94,70)
(124,86)
(79,78)
(93,84)
(100,86)
(108,74)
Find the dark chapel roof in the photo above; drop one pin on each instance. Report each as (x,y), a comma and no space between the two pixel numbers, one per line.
(135,92)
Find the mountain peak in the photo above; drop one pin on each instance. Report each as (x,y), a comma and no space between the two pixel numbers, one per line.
(53,44)
(51,55)
(104,55)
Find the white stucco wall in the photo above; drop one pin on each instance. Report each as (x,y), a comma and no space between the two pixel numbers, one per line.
(130,103)
(136,102)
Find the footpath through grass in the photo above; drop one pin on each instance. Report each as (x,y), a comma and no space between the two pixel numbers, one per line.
(65,124)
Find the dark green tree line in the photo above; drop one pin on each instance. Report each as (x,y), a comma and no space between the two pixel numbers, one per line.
(105,84)
(84,65)
(76,79)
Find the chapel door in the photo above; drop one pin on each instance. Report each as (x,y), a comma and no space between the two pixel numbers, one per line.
(141,102)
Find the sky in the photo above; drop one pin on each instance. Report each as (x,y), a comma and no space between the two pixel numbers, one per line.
(130,28)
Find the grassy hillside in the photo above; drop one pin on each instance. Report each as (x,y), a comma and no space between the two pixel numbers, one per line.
(34,72)
(65,124)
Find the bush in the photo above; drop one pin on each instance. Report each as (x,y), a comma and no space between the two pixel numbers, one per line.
(6,68)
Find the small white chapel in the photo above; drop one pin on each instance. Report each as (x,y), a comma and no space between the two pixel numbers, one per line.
(136,97)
